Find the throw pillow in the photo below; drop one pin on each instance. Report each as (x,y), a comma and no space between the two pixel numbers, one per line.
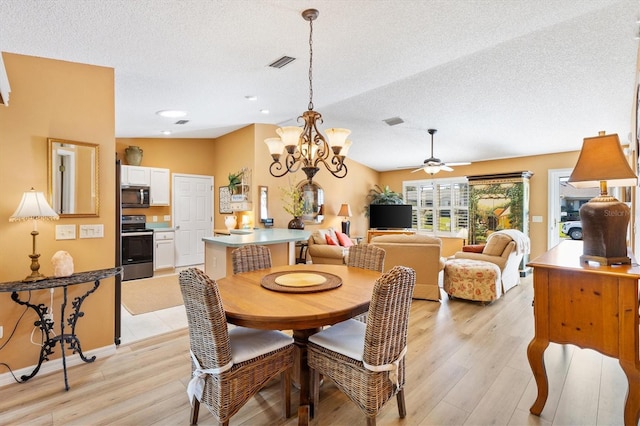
(343,239)
(330,240)
(329,231)
(473,248)
(496,244)
(318,238)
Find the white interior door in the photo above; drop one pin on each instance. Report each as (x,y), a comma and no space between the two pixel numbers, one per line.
(192,216)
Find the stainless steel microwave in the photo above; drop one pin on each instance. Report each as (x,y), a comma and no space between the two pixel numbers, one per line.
(134,197)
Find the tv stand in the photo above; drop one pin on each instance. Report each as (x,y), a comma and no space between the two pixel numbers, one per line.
(376,232)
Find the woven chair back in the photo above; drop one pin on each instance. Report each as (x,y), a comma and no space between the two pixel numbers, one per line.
(250,258)
(208,335)
(366,256)
(388,319)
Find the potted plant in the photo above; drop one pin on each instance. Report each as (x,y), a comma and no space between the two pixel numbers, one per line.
(293,204)
(235,182)
(378,195)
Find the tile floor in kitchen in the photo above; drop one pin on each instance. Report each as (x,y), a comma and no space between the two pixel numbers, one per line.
(138,327)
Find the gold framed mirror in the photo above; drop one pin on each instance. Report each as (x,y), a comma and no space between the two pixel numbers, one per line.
(73,177)
(263,196)
(313,202)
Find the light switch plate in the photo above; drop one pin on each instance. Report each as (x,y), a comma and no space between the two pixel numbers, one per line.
(536,219)
(92,231)
(65,232)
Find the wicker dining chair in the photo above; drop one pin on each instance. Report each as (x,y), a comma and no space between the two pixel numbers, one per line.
(229,366)
(366,361)
(250,258)
(366,256)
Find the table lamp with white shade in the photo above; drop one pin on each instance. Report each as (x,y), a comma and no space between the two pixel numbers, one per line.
(464,234)
(604,219)
(34,206)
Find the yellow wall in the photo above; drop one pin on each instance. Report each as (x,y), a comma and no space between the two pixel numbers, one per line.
(538,202)
(76,102)
(245,148)
(188,156)
(64,100)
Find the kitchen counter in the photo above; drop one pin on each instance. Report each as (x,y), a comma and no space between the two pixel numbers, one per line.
(242,237)
(281,243)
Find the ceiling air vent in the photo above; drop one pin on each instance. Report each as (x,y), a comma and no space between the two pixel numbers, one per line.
(393,121)
(181,122)
(279,63)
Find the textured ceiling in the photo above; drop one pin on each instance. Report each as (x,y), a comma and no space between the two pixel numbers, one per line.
(497,78)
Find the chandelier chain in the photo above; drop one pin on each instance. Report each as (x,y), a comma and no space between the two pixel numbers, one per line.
(310,64)
(305,147)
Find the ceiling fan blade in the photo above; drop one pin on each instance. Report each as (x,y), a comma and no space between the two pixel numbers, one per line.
(446,168)
(417,170)
(462,163)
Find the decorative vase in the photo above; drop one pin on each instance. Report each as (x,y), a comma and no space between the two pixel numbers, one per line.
(134,155)
(296,223)
(230,222)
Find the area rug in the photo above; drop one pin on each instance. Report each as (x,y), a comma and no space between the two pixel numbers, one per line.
(151,294)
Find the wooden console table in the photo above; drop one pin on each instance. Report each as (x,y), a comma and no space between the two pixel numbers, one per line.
(46,324)
(594,307)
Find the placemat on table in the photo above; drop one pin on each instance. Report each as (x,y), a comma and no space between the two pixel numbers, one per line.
(300,281)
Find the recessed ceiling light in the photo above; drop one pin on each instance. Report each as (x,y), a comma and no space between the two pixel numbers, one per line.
(166,132)
(264,111)
(171,113)
(251,97)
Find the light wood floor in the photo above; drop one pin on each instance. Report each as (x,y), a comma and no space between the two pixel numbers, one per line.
(466,365)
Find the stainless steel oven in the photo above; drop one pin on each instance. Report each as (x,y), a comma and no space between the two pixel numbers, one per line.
(137,248)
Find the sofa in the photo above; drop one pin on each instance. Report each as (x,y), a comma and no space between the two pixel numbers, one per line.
(504,248)
(319,250)
(420,252)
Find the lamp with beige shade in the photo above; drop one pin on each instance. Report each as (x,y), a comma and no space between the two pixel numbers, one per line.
(604,219)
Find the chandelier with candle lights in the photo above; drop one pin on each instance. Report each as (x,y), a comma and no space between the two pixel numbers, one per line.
(305,147)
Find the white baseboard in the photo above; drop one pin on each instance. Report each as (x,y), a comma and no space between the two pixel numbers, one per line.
(56,364)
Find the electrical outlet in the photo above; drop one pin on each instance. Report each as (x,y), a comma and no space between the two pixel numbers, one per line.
(1,331)
(167,217)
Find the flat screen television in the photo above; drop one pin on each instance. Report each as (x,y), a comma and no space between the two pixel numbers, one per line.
(390,216)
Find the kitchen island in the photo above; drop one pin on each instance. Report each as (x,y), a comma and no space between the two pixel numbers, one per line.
(281,242)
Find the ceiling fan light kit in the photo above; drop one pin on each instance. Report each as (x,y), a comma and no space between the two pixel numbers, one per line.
(433,165)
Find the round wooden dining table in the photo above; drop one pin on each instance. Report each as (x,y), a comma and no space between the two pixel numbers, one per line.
(248,303)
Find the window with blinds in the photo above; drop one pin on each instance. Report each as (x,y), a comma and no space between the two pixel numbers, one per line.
(440,206)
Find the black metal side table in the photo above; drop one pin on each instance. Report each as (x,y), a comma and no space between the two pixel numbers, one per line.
(302,256)
(46,325)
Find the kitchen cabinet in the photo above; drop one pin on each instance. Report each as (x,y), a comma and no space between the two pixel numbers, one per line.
(163,249)
(159,187)
(157,179)
(135,176)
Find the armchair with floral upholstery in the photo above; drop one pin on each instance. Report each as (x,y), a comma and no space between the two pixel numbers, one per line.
(504,248)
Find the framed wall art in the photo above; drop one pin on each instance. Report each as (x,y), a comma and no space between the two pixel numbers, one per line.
(225,200)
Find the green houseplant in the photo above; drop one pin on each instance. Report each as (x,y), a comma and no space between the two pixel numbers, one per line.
(382,195)
(293,204)
(235,182)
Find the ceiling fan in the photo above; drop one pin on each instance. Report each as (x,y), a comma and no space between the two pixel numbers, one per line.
(433,165)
